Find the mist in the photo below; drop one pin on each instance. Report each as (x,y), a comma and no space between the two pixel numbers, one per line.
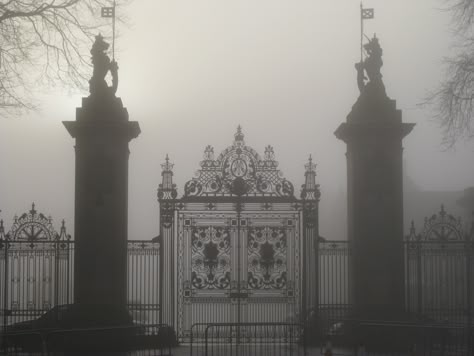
(192,71)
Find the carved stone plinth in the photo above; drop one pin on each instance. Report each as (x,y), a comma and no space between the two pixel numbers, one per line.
(102,132)
(373,134)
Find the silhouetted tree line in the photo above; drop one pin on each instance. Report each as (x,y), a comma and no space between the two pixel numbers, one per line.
(45,43)
(453,99)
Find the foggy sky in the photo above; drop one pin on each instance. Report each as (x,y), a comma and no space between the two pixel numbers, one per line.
(192,71)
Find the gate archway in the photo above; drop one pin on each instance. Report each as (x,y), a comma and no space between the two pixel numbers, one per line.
(238,246)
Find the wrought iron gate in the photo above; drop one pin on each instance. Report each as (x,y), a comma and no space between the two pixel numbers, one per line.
(237,268)
(243,242)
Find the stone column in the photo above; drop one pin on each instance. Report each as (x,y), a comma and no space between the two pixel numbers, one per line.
(167,194)
(310,195)
(373,133)
(101,201)
(102,132)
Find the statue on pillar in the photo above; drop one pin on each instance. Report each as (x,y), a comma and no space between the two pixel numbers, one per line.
(371,66)
(102,65)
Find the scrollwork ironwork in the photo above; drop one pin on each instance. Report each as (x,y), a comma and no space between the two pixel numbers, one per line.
(211,248)
(441,227)
(261,176)
(267,249)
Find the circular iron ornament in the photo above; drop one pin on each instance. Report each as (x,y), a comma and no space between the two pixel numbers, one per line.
(33,231)
(238,186)
(33,226)
(442,227)
(239,168)
(443,232)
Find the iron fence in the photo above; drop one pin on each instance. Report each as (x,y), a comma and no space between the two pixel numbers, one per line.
(439,264)
(144,281)
(439,280)
(38,275)
(334,301)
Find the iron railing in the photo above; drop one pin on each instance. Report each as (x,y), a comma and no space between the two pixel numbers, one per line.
(38,275)
(242,339)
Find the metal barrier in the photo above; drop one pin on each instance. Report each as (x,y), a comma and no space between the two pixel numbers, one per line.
(364,337)
(137,340)
(250,339)
(197,336)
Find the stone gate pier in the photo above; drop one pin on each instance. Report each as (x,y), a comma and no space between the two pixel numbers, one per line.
(373,133)
(102,131)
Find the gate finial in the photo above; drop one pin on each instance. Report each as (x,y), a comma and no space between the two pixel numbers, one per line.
(167,189)
(310,190)
(167,166)
(209,153)
(310,166)
(239,136)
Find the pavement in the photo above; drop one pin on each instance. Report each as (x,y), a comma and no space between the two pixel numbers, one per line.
(186,351)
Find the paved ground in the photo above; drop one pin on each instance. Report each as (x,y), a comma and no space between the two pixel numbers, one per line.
(186,351)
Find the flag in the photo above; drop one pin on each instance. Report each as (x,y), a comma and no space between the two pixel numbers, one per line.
(108,12)
(367,14)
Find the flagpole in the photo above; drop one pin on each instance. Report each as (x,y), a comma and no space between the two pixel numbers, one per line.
(113,34)
(361,33)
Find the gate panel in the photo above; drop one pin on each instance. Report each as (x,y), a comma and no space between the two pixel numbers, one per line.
(233,270)
(206,270)
(272,263)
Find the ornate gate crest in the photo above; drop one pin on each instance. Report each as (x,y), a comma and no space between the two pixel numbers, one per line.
(261,176)
(243,242)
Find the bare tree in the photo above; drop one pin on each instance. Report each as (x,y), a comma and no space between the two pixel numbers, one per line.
(45,43)
(453,100)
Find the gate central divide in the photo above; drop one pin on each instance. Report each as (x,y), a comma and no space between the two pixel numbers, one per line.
(238,245)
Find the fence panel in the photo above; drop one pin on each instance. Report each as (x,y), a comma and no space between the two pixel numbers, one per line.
(334,282)
(438,280)
(35,276)
(144,276)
